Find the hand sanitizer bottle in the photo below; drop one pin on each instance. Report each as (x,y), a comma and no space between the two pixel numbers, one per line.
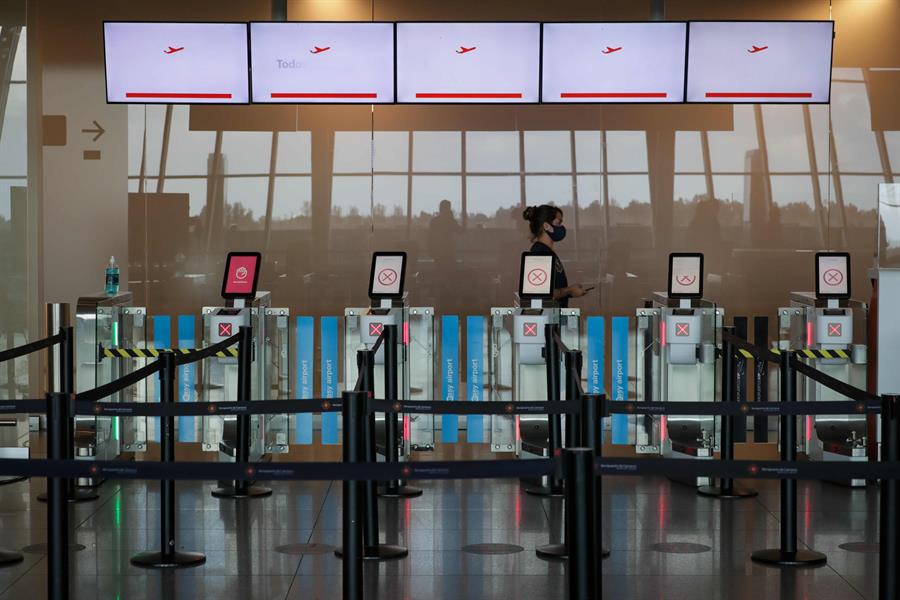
(112,277)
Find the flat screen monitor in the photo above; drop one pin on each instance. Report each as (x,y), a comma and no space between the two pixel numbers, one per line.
(832,275)
(176,63)
(468,62)
(241,275)
(759,61)
(333,63)
(685,275)
(388,275)
(536,276)
(613,62)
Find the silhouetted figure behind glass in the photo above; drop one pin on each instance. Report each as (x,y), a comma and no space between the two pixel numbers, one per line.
(443,232)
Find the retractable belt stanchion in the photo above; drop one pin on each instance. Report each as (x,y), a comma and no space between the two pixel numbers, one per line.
(580,524)
(554,433)
(593,411)
(67,386)
(353,411)
(58,415)
(889,546)
(395,488)
(373,549)
(242,488)
(788,555)
(726,490)
(167,556)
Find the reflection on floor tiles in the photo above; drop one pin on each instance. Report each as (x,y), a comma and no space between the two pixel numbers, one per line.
(667,543)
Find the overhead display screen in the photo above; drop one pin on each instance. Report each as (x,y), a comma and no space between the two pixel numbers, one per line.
(613,62)
(759,61)
(334,63)
(468,62)
(176,63)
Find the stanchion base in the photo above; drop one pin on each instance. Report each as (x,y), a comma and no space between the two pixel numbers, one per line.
(403,491)
(545,491)
(552,552)
(9,480)
(8,557)
(77,495)
(736,492)
(800,558)
(379,553)
(176,560)
(230,491)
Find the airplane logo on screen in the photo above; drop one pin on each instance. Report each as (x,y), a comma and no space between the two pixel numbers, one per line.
(318,50)
(610,50)
(464,50)
(756,49)
(172,50)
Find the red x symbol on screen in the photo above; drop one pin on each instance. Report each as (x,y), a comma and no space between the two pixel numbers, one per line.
(375,328)
(835,330)
(682,329)
(530,330)
(225,329)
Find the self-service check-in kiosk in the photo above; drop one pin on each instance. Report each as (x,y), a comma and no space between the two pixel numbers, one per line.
(677,336)
(270,375)
(518,369)
(827,329)
(415,351)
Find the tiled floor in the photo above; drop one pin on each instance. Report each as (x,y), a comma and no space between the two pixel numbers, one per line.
(240,541)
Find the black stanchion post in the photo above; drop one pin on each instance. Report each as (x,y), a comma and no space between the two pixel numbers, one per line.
(67,386)
(788,555)
(167,557)
(726,490)
(580,525)
(57,502)
(373,549)
(572,364)
(554,426)
(889,546)
(396,488)
(353,450)
(593,411)
(243,488)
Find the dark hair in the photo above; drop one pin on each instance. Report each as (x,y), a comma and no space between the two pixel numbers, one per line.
(538,215)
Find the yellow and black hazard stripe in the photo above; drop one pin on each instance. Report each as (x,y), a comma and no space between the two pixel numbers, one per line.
(831,354)
(155,352)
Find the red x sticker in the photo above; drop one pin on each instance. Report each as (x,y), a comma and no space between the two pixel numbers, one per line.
(835,330)
(530,330)
(224,329)
(375,328)
(682,329)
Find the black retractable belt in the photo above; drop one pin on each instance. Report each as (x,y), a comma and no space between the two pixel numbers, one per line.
(726,490)
(788,555)
(167,557)
(394,488)
(241,488)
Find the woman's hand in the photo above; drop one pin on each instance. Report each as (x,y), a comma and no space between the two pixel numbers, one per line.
(576,291)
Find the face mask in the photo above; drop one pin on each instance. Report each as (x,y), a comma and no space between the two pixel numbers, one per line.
(558,233)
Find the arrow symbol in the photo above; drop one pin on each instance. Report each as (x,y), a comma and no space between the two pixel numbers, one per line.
(99,131)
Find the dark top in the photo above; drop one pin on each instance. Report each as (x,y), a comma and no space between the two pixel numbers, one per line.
(559,277)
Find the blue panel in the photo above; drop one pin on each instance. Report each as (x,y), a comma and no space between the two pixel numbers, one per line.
(305,364)
(619,376)
(187,379)
(596,360)
(475,375)
(449,375)
(329,376)
(162,338)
